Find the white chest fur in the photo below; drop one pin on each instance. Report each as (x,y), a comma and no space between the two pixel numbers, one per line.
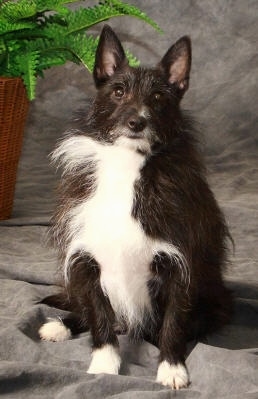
(104,227)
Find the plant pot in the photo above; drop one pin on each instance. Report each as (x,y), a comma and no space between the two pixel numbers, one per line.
(14,106)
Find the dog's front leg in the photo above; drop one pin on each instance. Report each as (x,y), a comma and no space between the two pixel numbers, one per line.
(97,311)
(172,340)
(105,354)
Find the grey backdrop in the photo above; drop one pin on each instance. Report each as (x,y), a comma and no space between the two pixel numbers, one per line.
(223,96)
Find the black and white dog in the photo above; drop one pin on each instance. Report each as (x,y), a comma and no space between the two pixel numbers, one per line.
(141,238)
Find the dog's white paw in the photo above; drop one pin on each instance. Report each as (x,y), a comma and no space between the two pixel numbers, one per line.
(54,330)
(173,375)
(105,360)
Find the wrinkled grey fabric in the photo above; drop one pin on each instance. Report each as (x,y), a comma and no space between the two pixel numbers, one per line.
(223,95)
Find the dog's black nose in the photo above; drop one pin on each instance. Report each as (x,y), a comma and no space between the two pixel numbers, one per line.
(137,123)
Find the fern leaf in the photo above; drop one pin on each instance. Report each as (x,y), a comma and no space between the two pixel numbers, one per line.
(50,51)
(20,10)
(33,39)
(47,5)
(51,59)
(3,53)
(61,49)
(54,5)
(128,9)
(6,27)
(133,61)
(79,48)
(28,63)
(55,57)
(83,47)
(84,18)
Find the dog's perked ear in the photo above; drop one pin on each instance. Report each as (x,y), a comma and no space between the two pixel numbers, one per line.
(176,64)
(110,56)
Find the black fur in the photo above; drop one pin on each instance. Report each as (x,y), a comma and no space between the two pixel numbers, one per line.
(172,202)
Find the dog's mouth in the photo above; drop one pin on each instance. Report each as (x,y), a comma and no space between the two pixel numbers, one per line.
(135,136)
(124,131)
(138,141)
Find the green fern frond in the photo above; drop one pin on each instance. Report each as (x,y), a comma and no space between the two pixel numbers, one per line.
(28,64)
(16,11)
(38,34)
(24,34)
(53,27)
(133,61)
(54,5)
(128,9)
(84,18)
(6,27)
(3,52)
(27,8)
(50,59)
(47,47)
(79,48)
(83,47)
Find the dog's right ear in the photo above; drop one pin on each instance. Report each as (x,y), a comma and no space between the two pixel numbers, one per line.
(110,56)
(176,64)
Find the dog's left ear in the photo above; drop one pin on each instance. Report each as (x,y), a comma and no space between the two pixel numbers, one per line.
(110,56)
(176,64)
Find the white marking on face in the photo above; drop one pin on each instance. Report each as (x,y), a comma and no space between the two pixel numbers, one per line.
(105,360)
(173,375)
(144,112)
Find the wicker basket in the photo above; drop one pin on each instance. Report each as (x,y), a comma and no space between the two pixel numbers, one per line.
(13,111)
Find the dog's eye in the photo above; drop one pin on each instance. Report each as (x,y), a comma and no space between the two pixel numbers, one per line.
(119,92)
(157,96)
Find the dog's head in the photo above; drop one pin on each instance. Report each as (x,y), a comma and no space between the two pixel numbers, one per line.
(138,106)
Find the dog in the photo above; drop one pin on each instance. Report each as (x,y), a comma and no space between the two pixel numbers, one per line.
(141,239)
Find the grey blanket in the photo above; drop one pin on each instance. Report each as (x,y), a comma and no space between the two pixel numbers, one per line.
(223,95)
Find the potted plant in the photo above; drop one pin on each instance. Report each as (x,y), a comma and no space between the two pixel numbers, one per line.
(36,35)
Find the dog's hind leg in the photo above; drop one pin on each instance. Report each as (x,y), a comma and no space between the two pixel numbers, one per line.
(61,329)
(54,330)
(58,301)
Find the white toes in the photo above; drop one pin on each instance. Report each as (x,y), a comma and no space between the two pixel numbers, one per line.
(105,360)
(54,330)
(173,375)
